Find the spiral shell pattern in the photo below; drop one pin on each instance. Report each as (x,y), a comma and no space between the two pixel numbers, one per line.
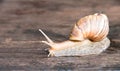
(93,27)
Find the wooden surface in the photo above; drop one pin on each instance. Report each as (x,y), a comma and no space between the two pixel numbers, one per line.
(21,19)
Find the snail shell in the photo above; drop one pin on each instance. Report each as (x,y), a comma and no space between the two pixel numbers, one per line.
(93,27)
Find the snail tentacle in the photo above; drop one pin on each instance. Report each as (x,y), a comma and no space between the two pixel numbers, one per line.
(48,39)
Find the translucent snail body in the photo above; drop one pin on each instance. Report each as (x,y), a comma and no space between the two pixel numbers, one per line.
(88,36)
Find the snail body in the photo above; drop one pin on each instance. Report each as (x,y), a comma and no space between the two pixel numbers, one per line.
(89,36)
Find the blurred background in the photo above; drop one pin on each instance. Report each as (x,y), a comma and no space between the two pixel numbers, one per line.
(21,19)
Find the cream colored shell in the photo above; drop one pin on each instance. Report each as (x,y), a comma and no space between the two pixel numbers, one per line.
(93,27)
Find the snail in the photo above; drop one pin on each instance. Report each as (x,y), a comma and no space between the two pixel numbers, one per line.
(88,36)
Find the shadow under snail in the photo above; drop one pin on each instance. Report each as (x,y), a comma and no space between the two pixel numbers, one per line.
(88,36)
